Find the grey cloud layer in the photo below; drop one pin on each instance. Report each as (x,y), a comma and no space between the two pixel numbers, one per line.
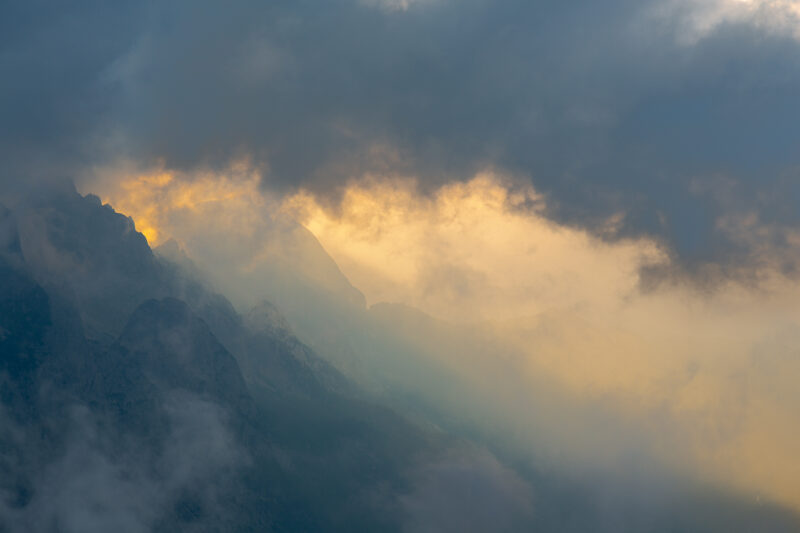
(603,108)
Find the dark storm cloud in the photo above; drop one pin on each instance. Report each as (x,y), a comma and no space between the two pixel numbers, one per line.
(53,95)
(602,108)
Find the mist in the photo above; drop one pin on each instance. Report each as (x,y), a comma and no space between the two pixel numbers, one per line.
(483,317)
(399,265)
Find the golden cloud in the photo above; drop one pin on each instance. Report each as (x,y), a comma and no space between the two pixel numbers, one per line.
(708,379)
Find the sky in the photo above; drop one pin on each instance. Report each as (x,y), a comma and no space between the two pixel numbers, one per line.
(606,192)
(677,116)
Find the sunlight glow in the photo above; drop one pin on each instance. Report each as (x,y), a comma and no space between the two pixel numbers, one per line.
(712,369)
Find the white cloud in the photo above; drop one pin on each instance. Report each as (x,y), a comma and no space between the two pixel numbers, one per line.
(699,18)
(394,5)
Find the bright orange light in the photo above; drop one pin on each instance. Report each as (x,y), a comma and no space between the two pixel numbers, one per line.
(157,200)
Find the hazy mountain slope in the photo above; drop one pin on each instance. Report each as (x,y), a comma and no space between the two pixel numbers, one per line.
(153,411)
(96,438)
(133,398)
(176,350)
(426,369)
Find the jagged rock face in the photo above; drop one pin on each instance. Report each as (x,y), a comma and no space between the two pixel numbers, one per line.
(123,404)
(97,266)
(89,255)
(24,323)
(101,276)
(155,418)
(24,316)
(176,350)
(150,417)
(274,358)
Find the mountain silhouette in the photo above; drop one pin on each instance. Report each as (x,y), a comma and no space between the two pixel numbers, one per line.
(118,359)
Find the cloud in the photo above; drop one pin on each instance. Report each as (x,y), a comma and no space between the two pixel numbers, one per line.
(96,485)
(395,5)
(553,335)
(56,96)
(234,230)
(700,18)
(470,251)
(602,108)
(682,373)
(658,139)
